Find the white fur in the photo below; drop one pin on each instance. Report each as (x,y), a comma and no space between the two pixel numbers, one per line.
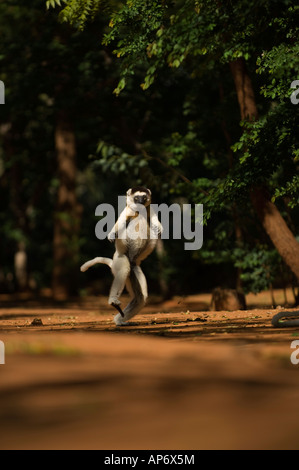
(130,252)
(94,261)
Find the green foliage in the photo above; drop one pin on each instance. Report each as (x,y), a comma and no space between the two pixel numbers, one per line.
(260,267)
(195,35)
(78,12)
(290,190)
(53,3)
(117,161)
(281,62)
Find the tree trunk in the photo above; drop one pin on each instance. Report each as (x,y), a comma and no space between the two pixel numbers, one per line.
(20,265)
(235,215)
(270,217)
(277,229)
(17,206)
(67,213)
(244,89)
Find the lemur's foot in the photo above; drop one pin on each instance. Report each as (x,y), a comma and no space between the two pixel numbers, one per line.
(118,308)
(118,320)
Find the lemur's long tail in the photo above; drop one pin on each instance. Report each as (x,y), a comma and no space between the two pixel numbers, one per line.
(94,261)
(277,323)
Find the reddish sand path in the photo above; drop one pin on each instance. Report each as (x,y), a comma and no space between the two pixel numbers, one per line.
(177,379)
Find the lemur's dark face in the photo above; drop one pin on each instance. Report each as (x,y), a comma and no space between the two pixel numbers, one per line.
(139,195)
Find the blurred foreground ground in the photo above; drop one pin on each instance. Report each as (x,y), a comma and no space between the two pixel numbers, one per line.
(181,378)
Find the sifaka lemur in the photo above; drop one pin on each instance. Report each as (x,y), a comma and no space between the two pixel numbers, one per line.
(135,234)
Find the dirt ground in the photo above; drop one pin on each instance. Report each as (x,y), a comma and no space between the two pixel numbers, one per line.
(182,377)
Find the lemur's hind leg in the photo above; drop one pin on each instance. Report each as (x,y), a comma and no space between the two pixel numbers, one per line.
(121,270)
(136,284)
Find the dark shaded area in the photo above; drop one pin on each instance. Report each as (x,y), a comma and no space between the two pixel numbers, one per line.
(68,144)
